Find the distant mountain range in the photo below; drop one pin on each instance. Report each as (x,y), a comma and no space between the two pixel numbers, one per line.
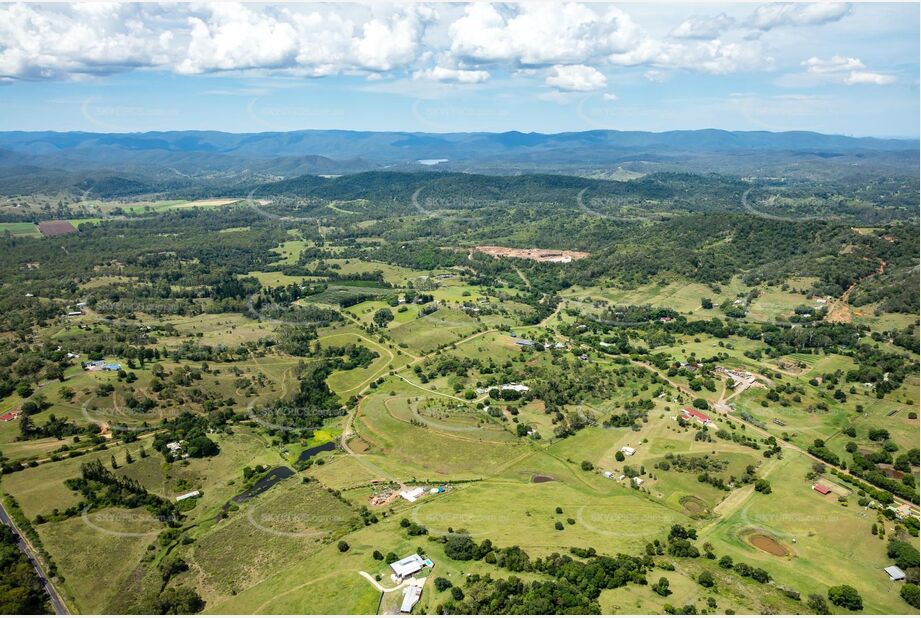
(178,158)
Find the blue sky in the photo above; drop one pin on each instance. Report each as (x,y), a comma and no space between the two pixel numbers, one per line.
(549,67)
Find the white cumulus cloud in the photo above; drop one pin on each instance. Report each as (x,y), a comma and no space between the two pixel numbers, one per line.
(577,77)
(699,27)
(846,70)
(540,34)
(769,16)
(447,74)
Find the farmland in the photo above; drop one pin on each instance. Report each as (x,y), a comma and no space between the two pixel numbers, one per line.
(229,409)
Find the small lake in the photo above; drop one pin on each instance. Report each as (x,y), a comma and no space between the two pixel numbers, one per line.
(313,450)
(271,479)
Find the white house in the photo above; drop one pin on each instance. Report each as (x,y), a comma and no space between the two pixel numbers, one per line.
(407,566)
(191,494)
(637,481)
(626,450)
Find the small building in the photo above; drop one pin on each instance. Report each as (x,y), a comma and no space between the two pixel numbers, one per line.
(174,448)
(688,413)
(525,343)
(902,511)
(637,481)
(411,495)
(12,415)
(407,566)
(74,314)
(411,596)
(822,489)
(895,573)
(607,474)
(191,494)
(628,451)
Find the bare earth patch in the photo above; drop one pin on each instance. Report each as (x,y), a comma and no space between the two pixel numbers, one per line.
(538,255)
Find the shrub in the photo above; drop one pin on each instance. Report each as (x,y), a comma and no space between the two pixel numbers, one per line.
(845,596)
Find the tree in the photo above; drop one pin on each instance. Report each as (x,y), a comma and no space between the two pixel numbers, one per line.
(343,546)
(701,404)
(845,596)
(383,317)
(763,486)
(619,456)
(377,555)
(661,587)
(442,584)
(817,604)
(706,580)
(910,592)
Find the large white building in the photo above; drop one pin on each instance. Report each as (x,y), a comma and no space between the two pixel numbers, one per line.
(407,566)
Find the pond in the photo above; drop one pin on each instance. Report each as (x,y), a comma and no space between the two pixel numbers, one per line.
(274,477)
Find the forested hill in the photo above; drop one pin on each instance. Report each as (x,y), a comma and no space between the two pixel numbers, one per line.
(32,161)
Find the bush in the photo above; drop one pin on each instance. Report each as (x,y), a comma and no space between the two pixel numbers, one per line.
(442,584)
(343,546)
(558,525)
(817,604)
(661,587)
(845,596)
(706,580)
(910,592)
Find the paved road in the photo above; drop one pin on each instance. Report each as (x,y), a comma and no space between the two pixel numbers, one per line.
(56,601)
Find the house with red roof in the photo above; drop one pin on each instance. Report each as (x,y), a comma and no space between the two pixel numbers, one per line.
(691,414)
(12,415)
(822,489)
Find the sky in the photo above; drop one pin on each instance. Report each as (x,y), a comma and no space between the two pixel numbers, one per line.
(840,68)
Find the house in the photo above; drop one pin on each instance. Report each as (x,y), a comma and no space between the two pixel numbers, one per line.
(525,343)
(688,413)
(191,494)
(608,474)
(101,365)
(822,489)
(174,448)
(12,415)
(637,481)
(74,314)
(626,450)
(411,495)
(411,595)
(407,566)
(902,511)
(895,573)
